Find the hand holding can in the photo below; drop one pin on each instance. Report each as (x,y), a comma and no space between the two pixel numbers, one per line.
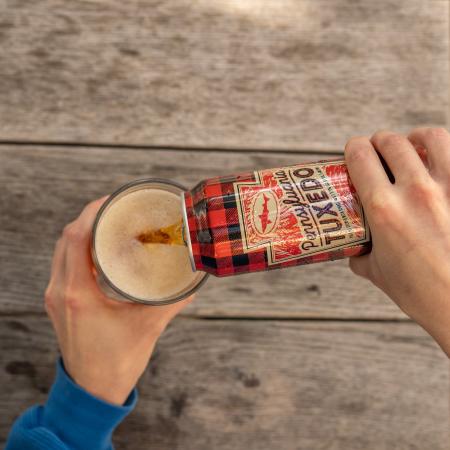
(409,222)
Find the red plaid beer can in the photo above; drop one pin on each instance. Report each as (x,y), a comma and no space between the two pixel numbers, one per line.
(274,218)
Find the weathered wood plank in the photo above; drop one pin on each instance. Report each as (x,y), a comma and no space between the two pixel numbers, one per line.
(226,384)
(45,188)
(255,74)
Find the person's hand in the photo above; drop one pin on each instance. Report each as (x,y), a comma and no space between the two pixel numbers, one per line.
(409,221)
(105,344)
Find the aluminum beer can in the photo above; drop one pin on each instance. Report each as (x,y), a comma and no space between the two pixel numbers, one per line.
(274,218)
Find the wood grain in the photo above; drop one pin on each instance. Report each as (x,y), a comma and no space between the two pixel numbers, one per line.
(227,384)
(45,188)
(255,74)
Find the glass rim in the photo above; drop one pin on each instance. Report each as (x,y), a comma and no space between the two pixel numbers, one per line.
(165,301)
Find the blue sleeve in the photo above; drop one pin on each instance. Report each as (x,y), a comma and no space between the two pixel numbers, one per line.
(71,419)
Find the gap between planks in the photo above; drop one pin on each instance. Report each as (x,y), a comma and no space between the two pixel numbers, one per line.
(169,147)
(18,314)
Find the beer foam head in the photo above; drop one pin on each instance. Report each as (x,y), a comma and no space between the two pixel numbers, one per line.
(144,271)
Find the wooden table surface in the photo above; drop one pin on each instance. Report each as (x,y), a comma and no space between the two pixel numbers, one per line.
(96,93)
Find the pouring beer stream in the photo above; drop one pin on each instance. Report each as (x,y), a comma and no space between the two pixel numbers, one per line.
(171,235)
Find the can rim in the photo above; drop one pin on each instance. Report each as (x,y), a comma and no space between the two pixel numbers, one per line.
(187,232)
(96,262)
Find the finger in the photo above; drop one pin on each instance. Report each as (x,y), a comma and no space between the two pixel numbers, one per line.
(400,155)
(58,261)
(57,274)
(422,152)
(78,255)
(79,271)
(436,141)
(360,265)
(87,217)
(365,168)
(82,225)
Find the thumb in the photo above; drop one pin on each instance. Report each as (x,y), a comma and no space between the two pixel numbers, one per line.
(161,315)
(361,266)
(173,309)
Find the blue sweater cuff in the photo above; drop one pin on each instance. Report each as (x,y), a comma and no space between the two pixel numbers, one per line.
(78,418)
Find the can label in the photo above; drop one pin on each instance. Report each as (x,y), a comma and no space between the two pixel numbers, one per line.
(298,211)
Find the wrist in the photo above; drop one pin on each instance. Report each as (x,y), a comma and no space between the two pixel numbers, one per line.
(111,392)
(111,388)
